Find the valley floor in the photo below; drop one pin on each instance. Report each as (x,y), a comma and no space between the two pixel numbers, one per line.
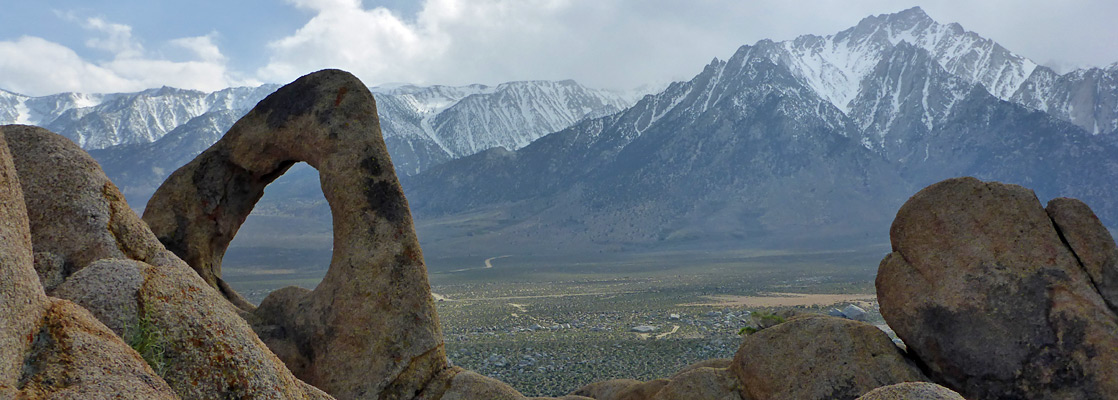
(549,325)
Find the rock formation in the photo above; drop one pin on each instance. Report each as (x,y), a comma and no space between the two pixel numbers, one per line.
(912,391)
(75,214)
(820,357)
(51,348)
(370,328)
(996,300)
(1092,244)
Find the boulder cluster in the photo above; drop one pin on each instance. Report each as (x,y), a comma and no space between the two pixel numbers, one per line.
(994,296)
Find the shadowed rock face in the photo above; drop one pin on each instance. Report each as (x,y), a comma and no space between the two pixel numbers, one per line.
(986,292)
(118,270)
(370,328)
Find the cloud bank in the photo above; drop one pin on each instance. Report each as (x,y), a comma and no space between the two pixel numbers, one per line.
(617,44)
(36,66)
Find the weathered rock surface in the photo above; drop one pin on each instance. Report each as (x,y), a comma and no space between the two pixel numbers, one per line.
(819,357)
(721,363)
(73,356)
(912,391)
(694,382)
(51,269)
(51,348)
(990,299)
(77,214)
(22,301)
(604,390)
(1091,242)
(370,328)
(74,211)
(701,383)
(469,385)
(108,289)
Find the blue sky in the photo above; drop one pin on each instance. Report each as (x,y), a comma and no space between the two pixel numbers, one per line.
(49,46)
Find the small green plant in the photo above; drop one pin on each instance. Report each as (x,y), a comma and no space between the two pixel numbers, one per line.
(749,330)
(147,339)
(767,320)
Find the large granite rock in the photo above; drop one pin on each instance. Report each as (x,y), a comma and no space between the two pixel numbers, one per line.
(820,357)
(912,391)
(701,383)
(986,293)
(607,390)
(74,356)
(695,382)
(1091,242)
(107,288)
(78,215)
(51,348)
(369,329)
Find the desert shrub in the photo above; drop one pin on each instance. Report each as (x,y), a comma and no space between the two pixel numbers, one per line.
(147,339)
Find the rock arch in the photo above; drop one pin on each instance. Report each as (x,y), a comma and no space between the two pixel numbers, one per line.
(370,327)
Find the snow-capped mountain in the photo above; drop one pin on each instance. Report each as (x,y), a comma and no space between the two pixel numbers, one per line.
(422,126)
(818,139)
(1085,97)
(430,125)
(835,65)
(906,96)
(522,112)
(516,113)
(97,121)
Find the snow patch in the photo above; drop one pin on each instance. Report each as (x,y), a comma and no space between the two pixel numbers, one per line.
(23,113)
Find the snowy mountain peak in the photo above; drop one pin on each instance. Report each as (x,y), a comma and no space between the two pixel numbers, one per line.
(835,65)
(432,99)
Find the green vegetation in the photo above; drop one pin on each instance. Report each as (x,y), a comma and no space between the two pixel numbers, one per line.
(748,330)
(147,339)
(767,320)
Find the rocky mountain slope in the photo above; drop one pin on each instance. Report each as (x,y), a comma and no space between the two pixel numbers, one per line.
(817,137)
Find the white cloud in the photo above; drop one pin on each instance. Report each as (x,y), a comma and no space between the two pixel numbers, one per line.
(36,66)
(448,41)
(117,38)
(618,43)
(201,46)
(615,44)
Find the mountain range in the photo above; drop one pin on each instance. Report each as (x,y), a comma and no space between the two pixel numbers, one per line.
(140,138)
(808,142)
(811,142)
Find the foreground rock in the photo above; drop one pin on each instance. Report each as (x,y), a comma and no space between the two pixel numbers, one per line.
(370,328)
(51,348)
(912,391)
(986,293)
(820,357)
(77,215)
(705,380)
(1091,242)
